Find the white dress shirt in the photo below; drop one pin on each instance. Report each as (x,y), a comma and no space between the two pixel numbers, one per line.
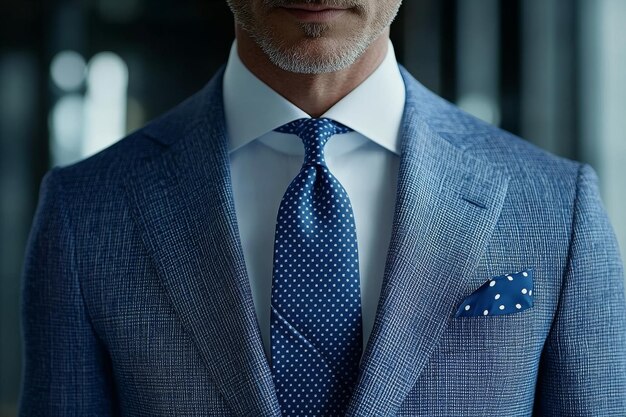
(264,162)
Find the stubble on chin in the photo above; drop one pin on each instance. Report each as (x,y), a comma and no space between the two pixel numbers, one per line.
(312,54)
(313,30)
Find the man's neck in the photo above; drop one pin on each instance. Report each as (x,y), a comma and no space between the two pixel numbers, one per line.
(313,93)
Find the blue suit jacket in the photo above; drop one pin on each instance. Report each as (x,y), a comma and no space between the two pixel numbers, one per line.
(136,299)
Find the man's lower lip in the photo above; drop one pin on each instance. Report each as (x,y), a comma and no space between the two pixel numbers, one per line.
(315,16)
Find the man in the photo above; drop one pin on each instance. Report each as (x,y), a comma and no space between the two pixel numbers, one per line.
(315,233)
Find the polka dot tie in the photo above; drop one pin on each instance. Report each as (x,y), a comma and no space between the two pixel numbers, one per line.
(316,328)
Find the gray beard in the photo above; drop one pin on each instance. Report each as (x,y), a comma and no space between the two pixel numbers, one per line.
(298,61)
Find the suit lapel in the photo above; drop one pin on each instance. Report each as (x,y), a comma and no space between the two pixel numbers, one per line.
(182,202)
(446,207)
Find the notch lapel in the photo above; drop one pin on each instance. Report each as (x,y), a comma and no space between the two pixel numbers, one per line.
(181,199)
(447,205)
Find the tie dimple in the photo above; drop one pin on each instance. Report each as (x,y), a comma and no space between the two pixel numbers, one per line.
(316,324)
(314,133)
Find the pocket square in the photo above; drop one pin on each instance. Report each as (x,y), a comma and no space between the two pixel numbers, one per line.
(503,294)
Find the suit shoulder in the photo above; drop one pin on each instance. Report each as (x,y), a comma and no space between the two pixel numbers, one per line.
(517,156)
(525,158)
(138,145)
(108,164)
(483,140)
(112,163)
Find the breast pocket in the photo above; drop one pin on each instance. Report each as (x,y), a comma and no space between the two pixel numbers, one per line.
(518,330)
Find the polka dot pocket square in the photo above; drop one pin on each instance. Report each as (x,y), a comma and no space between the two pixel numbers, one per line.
(504,294)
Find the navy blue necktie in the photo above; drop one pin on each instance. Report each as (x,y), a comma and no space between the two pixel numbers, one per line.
(316,327)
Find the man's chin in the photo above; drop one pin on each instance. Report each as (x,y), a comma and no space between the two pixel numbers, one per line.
(309,64)
(309,52)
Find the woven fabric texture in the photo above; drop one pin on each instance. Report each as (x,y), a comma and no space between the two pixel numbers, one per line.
(136,300)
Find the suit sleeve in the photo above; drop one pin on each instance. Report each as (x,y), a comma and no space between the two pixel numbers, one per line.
(66,369)
(582,371)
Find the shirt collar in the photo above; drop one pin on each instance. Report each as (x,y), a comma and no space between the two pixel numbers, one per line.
(374,108)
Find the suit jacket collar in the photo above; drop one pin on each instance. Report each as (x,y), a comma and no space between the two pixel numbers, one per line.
(446,207)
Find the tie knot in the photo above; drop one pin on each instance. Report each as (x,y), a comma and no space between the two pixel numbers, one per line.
(314,133)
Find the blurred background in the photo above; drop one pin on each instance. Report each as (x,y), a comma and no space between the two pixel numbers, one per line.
(76,76)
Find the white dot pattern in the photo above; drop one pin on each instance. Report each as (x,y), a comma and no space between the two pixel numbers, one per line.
(316,325)
(503,294)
